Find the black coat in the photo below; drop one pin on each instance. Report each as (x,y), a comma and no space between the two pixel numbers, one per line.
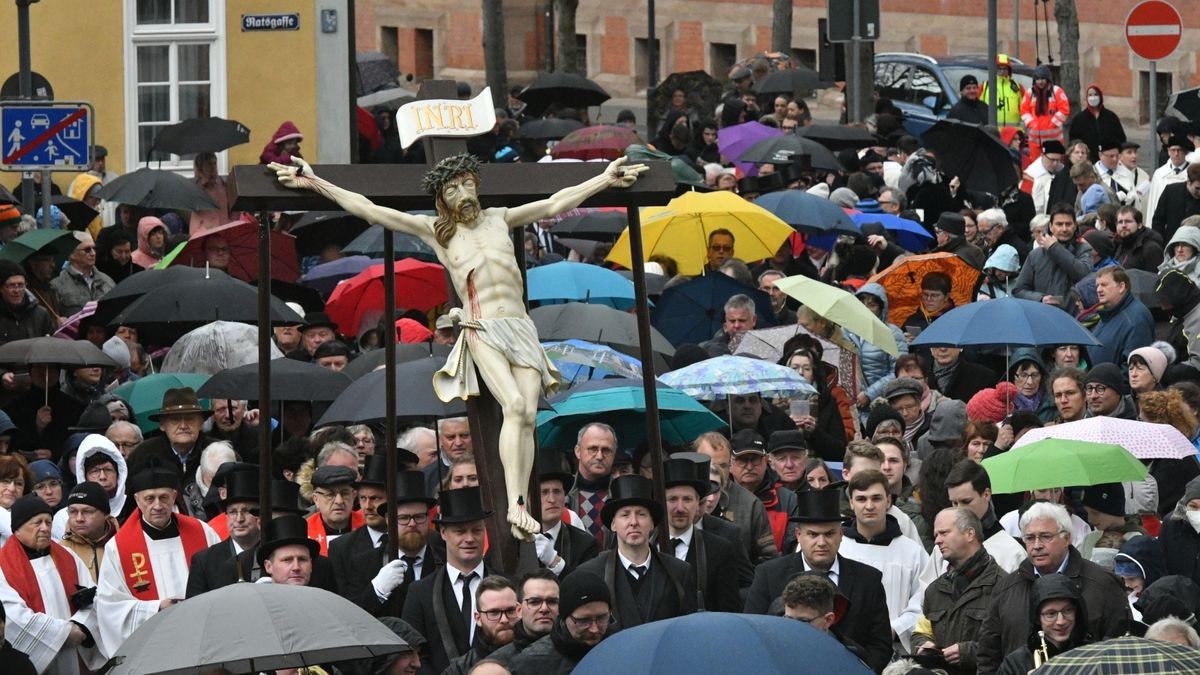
(1175,204)
(973,112)
(575,547)
(246,568)
(429,599)
(211,569)
(712,560)
(968,381)
(865,623)
(15,662)
(732,533)
(1172,476)
(355,563)
(160,447)
(1096,129)
(1062,189)
(666,592)
(1181,548)
(555,654)
(65,411)
(1142,251)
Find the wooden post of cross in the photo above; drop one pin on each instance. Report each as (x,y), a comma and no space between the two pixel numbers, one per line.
(398,186)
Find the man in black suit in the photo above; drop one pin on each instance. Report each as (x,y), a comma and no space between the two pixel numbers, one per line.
(710,556)
(645,586)
(358,558)
(440,605)
(1178,201)
(246,566)
(560,547)
(820,536)
(213,567)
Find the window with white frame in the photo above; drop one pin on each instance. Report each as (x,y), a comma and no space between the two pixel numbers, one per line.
(175,67)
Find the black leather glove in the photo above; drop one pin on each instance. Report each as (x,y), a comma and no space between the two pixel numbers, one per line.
(83,597)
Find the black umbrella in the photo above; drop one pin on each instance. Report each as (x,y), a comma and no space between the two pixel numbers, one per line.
(703,91)
(405,352)
(655,283)
(1186,103)
(77,212)
(174,309)
(598,225)
(979,159)
(156,189)
(135,286)
(836,137)
(789,81)
(594,323)
(291,380)
(7,197)
(564,89)
(375,71)
(308,298)
(363,400)
(780,149)
(78,353)
(548,129)
(317,229)
(370,243)
(205,134)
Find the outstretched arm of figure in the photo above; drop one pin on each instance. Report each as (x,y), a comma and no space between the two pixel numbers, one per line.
(616,175)
(300,176)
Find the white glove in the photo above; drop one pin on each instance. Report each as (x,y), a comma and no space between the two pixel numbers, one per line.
(265,580)
(390,576)
(547,555)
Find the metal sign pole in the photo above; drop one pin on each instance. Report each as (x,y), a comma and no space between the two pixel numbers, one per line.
(1152,105)
(855,103)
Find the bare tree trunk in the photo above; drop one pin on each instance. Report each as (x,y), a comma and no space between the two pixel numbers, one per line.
(781,26)
(565,60)
(1067,18)
(494,63)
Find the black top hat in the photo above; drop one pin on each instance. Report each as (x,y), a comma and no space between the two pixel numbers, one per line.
(95,419)
(801,164)
(818,506)
(285,531)
(241,486)
(374,472)
(748,185)
(631,490)
(181,401)
(550,467)
(678,471)
(318,320)
(227,469)
(410,487)
(464,505)
(285,497)
(771,182)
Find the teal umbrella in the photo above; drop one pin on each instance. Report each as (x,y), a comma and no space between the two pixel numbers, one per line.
(621,403)
(145,394)
(61,242)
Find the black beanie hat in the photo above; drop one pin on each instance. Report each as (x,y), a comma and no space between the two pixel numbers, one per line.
(25,508)
(91,494)
(579,589)
(966,80)
(8,269)
(878,415)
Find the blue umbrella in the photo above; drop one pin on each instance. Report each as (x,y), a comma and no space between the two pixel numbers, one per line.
(909,234)
(695,310)
(622,404)
(1005,322)
(579,282)
(716,378)
(720,642)
(325,277)
(579,360)
(808,213)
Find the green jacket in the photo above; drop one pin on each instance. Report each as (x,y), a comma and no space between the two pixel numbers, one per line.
(956,618)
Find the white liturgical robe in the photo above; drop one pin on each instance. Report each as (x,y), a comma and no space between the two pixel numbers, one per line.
(42,635)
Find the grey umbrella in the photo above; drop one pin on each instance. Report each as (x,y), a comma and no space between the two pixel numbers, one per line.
(248,628)
(78,353)
(362,402)
(594,323)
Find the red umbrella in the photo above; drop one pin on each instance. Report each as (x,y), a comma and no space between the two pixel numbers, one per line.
(419,285)
(242,239)
(601,141)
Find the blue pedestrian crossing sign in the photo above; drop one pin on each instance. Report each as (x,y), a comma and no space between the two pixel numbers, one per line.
(50,136)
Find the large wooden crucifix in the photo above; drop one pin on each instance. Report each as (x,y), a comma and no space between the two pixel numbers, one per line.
(255,188)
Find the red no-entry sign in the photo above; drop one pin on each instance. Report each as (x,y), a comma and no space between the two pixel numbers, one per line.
(1153,29)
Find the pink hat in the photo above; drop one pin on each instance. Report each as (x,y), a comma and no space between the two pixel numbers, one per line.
(992,405)
(1155,359)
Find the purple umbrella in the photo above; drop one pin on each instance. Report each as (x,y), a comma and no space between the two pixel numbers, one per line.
(325,277)
(735,140)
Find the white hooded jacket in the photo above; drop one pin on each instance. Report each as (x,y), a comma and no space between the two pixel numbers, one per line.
(92,444)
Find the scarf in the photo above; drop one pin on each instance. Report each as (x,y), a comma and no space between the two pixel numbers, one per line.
(910,431)
(1042,105)
(135,556)
(566,644)
(945,375)
(21,577)
(1028,403)
(962,576)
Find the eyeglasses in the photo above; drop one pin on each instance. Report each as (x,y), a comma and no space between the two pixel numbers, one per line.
(800,618)
(912,407)
(495,614)
(345,494)
(1041,537)
(417,519)
(86,249)
(721,248)
(14,286)
(103,470)
(121,444)
(237,514)
(1095,389)
(1067,613)
(535,601)
(1029,377)
(586,621)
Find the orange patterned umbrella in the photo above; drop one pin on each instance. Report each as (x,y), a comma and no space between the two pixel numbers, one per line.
(902,281)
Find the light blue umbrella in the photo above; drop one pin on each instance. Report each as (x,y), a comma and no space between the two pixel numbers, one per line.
(910,234)
(579,360)
(1002,323)
(621,403)
(716,378)
(808,213)
(579,282)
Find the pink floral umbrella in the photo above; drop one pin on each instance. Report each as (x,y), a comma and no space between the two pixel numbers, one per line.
(1143,440)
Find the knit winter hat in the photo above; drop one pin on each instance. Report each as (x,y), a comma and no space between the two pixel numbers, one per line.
(25,508)
(880,414)
(578,590)
(1156,360)
(1101,242)
(992,405)
(1109,375)
(9,269)
(9,215)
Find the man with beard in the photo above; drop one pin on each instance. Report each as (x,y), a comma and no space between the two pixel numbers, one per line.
(561,547)
(539,611)
(497,614)
(209,570)
(497,336)
(1138,247)
(357,558)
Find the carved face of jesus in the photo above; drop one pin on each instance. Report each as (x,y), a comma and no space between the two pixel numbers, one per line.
(462,199)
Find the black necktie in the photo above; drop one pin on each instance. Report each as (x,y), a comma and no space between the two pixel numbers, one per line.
(639,571)
(410,574)
(674,544)
(467,615)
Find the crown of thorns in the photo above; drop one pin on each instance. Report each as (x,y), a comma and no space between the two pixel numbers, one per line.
(448,169)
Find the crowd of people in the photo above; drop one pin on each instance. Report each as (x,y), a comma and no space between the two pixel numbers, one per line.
(865,512)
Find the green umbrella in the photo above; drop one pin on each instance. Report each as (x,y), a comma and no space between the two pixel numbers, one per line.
(842,308)
(1056,462)
(145,394)
(61,242)
(169,258)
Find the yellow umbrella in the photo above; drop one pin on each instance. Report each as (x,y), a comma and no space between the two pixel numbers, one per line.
(681,228)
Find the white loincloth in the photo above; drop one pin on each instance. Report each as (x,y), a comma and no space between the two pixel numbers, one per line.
(515,338)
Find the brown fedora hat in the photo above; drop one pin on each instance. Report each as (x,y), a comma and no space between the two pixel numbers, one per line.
(181,401)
